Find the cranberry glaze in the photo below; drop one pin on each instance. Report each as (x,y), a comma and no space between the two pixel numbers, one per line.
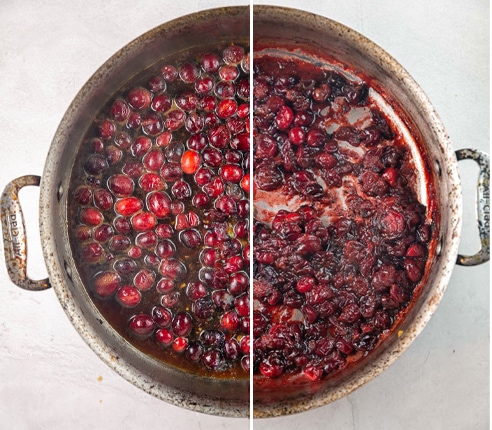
(340,238)
(160,212)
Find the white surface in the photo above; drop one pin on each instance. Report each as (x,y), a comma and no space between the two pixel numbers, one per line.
(50,379)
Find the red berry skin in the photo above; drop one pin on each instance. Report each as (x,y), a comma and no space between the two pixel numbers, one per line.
(159,203)
(245,184)
(106,283)
(128,206)
(231,173)
(190,162)
(139,98)
(144,221)
(91,216)
(129,296)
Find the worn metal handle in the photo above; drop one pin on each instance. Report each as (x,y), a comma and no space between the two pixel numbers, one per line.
(483,206)
(14,235)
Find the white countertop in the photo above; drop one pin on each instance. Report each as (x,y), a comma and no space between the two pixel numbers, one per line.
(49,378)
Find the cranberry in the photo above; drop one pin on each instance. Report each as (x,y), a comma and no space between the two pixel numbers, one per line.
(182,324)
(119,110)
(189,72)
(159,203)
(161,102)
(156,84)
(190,162)
(92,252)
(231,173)
(129,296)
(142,324)
(164,337)
(106,283)
(173,269)
(128,206)
(139,98)
(91,216)
(103,233)
(210,62)
(96,164)
(180,344)
(120,185)
(169,73)
(190,238)
(161,316)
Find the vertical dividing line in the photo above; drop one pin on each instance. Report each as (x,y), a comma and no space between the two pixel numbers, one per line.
(251,214)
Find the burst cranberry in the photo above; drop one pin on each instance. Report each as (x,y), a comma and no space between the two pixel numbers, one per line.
(204,85)
(144,279)
(113,154)
(219,136)
(156,84)
(212,359)
(164,139)
(233,54)
(226,108)
(92,252)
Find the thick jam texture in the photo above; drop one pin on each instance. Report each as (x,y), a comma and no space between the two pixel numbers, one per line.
(340,238)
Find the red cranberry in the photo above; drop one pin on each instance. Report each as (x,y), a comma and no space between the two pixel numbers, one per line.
(182,324)
(189,72)
(169,73)
(139,98)
(161,316)
(142,324)
(164,336)
(144,221)
(91,216)
(233,54)
(173,269)
(120,185)
(119,110)
(159,203)
(151,182)
(190,238)
(106,283)
(129,296)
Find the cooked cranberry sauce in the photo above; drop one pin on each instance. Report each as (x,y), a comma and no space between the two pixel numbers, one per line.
(340,239)
(160,212)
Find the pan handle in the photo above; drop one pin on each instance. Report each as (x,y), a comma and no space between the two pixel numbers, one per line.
(14,234)
(483,206)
